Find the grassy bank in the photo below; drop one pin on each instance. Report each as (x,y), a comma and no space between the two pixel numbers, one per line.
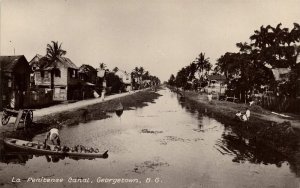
(81,115)
(262,127)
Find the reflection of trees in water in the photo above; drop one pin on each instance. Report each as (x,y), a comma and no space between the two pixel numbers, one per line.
(234,142)
(243,150)
(294,162)
(189,106)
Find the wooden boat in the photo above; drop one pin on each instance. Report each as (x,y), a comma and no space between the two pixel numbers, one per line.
(33,147)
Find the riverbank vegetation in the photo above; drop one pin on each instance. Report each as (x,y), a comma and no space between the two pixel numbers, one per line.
(267,66)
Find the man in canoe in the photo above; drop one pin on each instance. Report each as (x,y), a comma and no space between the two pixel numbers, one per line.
(53,136)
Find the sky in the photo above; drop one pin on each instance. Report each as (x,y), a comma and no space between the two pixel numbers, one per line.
(160,35)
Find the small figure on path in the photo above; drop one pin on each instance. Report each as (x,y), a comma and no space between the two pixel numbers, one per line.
(247,113)
(209,96)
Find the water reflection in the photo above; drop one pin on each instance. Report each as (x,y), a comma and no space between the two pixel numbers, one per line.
(15,158)
(235,144)
(243,150)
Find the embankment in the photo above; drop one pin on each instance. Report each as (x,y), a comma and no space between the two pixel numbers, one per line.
(262,127)
(81,114)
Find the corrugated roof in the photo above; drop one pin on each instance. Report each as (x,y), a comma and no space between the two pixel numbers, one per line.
(46,65)
(8,63)
(67,62)
(87,68)
(279,72)
(35,59)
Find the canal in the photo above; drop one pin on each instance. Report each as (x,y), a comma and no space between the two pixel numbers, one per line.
(167,143)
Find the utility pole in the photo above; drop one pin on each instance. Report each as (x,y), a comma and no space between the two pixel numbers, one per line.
(1,86)
(13,47)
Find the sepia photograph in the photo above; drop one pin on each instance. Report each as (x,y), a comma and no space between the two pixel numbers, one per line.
(150,93)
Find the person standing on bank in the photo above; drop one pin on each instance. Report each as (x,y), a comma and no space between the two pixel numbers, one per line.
(209,96)
(247,113)
(53,136)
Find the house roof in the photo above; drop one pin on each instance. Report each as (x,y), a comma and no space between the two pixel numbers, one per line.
(216,77)
(36,58)
(8,63)
(67,62)
(280,71)
(46,65)
(86,68)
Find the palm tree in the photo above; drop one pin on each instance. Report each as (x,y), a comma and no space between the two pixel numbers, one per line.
(102,66)
(203,66)
(116,69)
(263,38)
(53,53)
(141,72)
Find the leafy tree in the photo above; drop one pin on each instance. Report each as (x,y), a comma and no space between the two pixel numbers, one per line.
(114,83)
(182,78)
(171,80)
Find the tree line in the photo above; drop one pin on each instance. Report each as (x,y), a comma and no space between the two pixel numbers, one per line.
(250,69)
(194,75)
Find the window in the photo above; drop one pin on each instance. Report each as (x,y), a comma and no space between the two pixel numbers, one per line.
(46,74)
(73,73)
(57,72)
(42,74)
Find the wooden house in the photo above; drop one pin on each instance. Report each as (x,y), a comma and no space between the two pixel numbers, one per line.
(87,73)
(60,76)
(125,79)
(88,81)
(14,80)
(281,74)
(216,84)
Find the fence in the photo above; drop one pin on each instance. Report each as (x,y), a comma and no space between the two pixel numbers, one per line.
(280,104)
(39,98)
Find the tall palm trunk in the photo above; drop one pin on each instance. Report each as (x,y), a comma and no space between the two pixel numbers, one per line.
(52,79)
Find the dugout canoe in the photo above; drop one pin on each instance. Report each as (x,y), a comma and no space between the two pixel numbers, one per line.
(22,146)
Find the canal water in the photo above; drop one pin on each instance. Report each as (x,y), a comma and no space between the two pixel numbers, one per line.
(165,144)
